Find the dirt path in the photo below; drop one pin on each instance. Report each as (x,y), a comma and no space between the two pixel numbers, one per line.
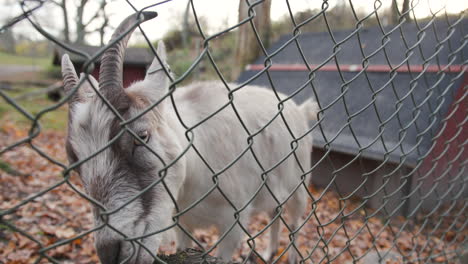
(8,70)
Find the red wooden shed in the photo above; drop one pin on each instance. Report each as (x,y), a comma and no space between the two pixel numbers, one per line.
(135,62)
(392,126)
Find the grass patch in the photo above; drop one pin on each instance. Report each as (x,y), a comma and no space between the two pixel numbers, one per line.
(11,59)
(54,120)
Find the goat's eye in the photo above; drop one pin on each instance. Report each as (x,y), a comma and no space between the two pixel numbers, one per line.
(144,136)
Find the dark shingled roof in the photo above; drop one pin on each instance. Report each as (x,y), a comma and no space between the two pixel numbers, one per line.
(318,47)
(133,56)
(428,92)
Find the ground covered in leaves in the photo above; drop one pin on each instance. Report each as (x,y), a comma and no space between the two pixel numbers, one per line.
(45,215)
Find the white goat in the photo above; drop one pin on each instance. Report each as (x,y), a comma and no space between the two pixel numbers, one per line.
(125,168)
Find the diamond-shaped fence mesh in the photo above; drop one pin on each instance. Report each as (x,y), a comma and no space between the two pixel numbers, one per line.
(216,165)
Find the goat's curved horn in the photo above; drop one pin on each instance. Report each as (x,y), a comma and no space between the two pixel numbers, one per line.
(70,79)
(110,72)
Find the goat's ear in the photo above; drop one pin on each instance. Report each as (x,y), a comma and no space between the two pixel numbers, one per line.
(92,80)
(155,71)
(70,79)
(86,90)
(162,51)
(156,81)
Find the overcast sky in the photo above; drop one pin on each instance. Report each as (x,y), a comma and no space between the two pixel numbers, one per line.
(218,13)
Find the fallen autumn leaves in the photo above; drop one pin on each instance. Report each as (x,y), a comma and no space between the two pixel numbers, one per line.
(59,214)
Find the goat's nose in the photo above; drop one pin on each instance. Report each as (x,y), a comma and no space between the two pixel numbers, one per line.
(108,251)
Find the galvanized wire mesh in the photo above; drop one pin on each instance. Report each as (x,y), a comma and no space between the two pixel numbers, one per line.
(420,213)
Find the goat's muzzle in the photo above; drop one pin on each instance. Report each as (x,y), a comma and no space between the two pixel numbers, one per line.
(108,250)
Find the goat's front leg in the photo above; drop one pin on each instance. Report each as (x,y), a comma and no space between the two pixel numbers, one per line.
(272,248)
(183,240)
(230,242)
(233,239)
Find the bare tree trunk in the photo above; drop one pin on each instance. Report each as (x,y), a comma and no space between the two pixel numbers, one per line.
(185,27)
(405,9)
(66,26)
(395,14)
(62,4)
(102,29)
(8,41)
(80,27)
(248,47)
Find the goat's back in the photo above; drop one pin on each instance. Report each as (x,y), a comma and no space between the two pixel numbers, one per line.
(241,148)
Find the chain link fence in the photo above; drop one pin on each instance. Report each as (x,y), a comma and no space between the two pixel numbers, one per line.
(388,180)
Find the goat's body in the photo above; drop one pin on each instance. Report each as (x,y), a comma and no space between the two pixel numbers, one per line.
(222,139)
(218,181)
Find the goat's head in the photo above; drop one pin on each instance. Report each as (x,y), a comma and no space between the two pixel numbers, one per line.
(124,164)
